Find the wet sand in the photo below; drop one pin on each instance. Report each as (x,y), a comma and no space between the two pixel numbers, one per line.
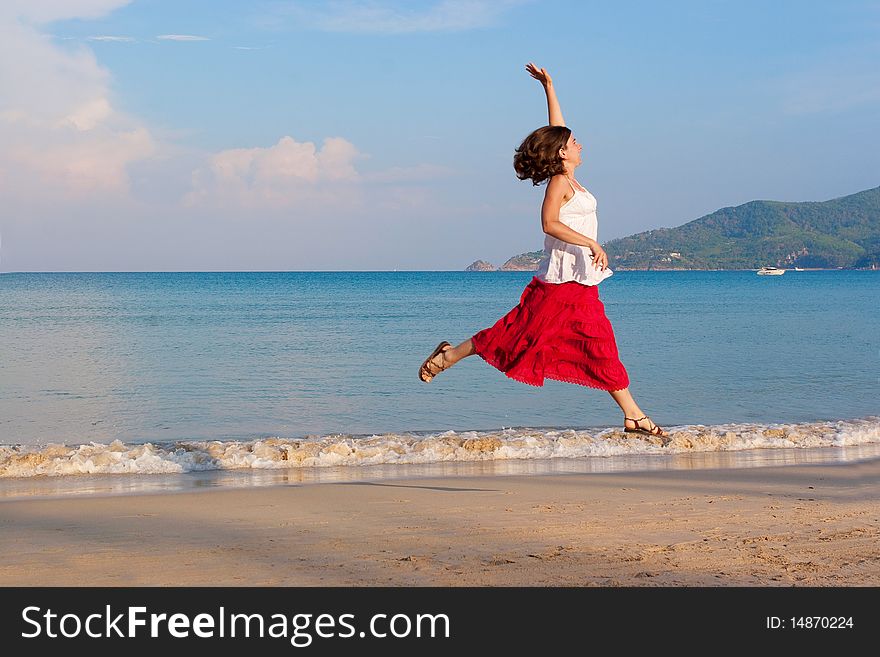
(803,525)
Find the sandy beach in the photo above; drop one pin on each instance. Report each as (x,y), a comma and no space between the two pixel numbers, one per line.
(809,525)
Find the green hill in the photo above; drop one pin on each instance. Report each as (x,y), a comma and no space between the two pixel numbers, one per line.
(842,232)
(523,262)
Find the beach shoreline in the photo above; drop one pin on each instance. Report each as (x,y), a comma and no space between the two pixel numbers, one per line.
(133,483)
(795,525)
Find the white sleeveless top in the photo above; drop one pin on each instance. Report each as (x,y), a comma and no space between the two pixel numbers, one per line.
(563,262)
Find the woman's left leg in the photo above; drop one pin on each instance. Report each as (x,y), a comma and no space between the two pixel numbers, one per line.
(634,418)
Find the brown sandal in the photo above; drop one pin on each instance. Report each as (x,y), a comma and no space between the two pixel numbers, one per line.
(425,373)
(656,431)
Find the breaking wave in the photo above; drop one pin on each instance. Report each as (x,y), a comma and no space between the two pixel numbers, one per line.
(117,457)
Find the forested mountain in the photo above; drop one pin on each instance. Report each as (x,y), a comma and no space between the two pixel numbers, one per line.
(843,232)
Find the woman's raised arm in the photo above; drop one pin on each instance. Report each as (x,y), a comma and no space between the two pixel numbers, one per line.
(553,109)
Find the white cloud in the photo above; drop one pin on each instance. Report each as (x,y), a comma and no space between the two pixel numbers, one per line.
(84,186)
(62,136)
(400,18)
(181,37)
(88,115)
(44,11)
(288,173)
(82,166)
(121,39)
(297,174)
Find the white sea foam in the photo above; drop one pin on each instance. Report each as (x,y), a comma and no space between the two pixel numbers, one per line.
(450,446)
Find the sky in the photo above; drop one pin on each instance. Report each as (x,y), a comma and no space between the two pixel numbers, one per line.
(217,135)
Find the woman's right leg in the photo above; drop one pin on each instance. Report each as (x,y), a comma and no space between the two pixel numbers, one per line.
(451,356)
(447,358)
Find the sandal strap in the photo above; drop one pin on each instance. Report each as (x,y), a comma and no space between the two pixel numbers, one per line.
(655,430)
(427,367)
(429,363)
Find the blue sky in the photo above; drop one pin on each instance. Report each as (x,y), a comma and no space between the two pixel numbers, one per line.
(218,135)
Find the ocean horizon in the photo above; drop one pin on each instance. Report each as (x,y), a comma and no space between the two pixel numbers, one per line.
(135,373)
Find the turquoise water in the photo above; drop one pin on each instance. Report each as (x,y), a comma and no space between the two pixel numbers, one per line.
(157,356)
(164,357)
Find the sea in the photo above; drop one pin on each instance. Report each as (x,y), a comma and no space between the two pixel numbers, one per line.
(114,383)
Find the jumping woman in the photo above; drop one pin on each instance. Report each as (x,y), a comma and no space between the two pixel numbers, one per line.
(559,329)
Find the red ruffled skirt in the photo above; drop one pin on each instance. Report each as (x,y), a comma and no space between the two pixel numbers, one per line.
(558,331)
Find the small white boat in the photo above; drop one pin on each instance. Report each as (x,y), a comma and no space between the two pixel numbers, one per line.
(798,269)
(770,271)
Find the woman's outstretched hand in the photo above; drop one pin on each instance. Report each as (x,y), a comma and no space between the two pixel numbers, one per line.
(554,112)
(540,74)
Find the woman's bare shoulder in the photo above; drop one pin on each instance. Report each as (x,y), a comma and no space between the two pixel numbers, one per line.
(558,187)
(556,182)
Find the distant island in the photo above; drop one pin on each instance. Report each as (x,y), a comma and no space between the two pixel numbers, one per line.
(840,233)
(480,265)
(522,262)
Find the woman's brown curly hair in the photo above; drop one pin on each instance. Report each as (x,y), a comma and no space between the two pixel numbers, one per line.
(537,158)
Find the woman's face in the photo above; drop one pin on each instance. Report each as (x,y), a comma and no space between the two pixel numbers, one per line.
(572,151)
